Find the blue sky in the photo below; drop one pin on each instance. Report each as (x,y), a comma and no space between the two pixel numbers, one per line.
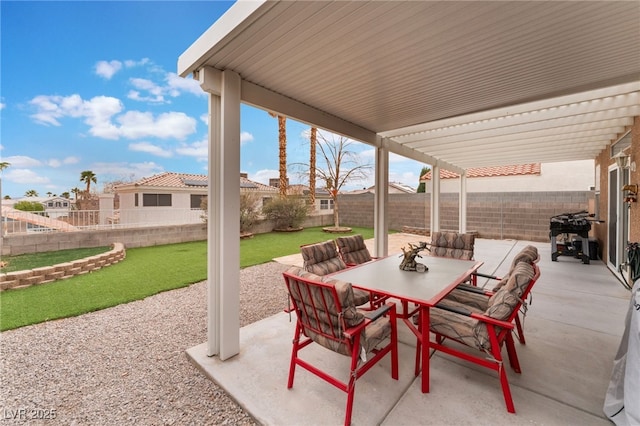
(92,86)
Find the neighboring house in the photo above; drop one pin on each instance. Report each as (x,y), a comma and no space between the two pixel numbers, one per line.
(323,203)
(394,188)
(171,197)
(53,206)
(535,177)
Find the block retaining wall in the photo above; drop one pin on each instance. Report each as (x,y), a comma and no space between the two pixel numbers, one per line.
(47,274)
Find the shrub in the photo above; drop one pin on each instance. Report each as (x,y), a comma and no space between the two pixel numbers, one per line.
(29,206)
(248,211)
(286,212)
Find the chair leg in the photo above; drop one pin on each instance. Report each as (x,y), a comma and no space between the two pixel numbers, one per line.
(294,356)
(502,372)
(511,352)
(506,391)
(520,330)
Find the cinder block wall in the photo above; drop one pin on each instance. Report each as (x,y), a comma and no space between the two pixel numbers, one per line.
(516,215)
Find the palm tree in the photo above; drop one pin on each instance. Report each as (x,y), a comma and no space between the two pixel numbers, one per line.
(49,194)
(31,193)
(65,195)
(282,144)
(76,191)
(4,165)
(87,177)
(312,166)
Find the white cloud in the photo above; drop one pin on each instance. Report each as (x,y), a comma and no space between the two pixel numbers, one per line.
(107,69)
(198,149)
(108,171)
(151,149)
(129,63)
(54,162)
(136,125)
(177,85)
(22,161)
(264,175)
(99,111)
(25,176)
(245,137)
(2,105)
(205,118)
(71,160)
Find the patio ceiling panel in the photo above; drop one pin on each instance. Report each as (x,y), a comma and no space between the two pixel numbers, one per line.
(469,84)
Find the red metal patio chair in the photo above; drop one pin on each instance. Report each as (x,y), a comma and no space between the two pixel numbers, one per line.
(326,314)
(477,299)
(322,259)
(487,331)
(353,250)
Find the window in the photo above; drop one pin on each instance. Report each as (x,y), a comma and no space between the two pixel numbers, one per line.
(50,204)
(196,201)
(135,200)
(326,204)
(65,204)
(156,200)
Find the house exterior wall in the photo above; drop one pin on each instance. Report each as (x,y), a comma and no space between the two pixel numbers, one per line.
(602,163)
(562,176)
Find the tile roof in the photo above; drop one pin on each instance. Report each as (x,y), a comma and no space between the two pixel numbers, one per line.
(513,170)
(188,180)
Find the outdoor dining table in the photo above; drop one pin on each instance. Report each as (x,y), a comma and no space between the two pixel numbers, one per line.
(424,289)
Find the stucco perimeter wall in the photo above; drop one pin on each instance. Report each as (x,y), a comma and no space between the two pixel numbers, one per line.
(511,215)
(131,237)
(13,245)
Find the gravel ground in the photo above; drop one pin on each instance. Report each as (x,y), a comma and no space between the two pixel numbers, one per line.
(127,364)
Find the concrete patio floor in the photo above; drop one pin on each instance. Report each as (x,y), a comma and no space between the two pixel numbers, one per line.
(573,329)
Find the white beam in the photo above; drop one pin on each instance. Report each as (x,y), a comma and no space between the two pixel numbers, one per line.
(381,202)
(462,206)
(224,204)
(233,21)
(260,97)
(435,199)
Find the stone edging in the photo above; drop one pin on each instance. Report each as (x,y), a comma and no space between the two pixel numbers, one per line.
(47,274)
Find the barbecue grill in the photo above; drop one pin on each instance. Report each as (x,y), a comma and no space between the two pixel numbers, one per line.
(566,224)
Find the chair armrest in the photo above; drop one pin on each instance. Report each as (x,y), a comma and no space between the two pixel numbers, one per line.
(479,317)
(493,277)
(473,289)
(382,310)
(493,321)
(454,309)
(369,317)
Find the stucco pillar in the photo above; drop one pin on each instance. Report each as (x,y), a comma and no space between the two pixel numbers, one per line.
(105,206)
(435,199)
(381,202)
(223,264)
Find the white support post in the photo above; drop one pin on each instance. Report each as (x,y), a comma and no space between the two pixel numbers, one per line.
(223,270)
(435,199)
(462,207)
(381,202)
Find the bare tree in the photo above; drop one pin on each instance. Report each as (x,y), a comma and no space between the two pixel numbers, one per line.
(341,166)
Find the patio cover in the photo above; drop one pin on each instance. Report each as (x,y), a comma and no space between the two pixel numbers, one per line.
(451,84)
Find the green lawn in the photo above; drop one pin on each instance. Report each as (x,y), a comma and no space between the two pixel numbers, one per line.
(37,260)
(144,272)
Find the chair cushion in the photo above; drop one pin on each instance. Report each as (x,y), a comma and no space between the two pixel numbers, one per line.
(372,335)
(452,244)
(474,301)
(455,326)
(529,254)
(322,258)
(353,249)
